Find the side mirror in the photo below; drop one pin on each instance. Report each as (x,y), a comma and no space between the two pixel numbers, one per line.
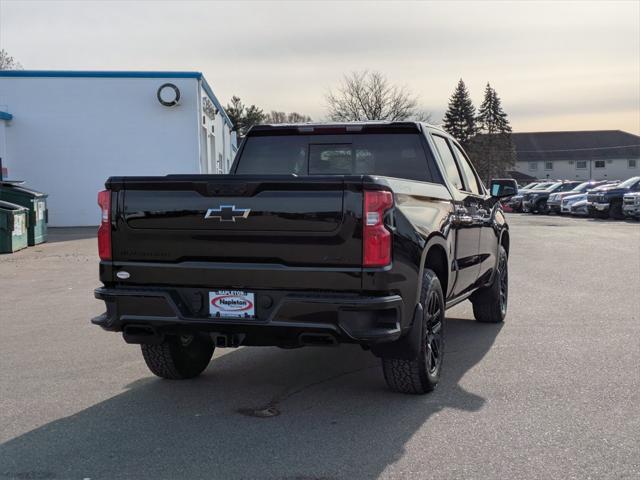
(503,187)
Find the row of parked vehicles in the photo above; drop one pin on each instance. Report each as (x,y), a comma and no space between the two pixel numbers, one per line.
(599,199)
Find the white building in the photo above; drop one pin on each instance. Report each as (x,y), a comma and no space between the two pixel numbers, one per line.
(578,155)
(65,133)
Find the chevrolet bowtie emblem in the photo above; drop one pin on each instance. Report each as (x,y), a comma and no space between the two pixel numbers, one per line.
(227,213)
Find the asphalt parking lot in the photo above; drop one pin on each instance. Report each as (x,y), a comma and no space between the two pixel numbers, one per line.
(552,393)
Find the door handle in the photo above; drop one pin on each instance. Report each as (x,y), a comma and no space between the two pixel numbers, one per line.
(462,216)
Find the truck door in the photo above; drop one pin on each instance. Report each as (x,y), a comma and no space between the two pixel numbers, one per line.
(465,220)
(483,207)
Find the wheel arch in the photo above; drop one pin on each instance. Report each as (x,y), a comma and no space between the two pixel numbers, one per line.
(505,240)
(436,258)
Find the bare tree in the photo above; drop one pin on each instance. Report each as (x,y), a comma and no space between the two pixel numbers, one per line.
(295,117)
(369,96)
(276,117)
(7,62)
(283,117)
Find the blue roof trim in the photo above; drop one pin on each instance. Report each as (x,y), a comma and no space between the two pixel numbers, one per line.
(120,74)
(98,74)
(214,99)
(5,116)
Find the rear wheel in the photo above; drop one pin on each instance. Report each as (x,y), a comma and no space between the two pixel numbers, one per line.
(490,303)
(179,357)
(421,374)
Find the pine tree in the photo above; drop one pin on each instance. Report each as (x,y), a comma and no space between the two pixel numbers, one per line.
(243,117)
(492,150)
(459,119)
(491,118)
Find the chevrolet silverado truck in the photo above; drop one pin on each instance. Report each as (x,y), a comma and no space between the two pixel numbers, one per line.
(607,202)
(361,233)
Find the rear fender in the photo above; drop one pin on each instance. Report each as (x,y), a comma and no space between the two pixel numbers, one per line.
(436,239)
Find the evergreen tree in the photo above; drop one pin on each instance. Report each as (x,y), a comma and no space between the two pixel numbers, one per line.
(492,150)
(459,119)
(243,117)
(235,111)
(491,118)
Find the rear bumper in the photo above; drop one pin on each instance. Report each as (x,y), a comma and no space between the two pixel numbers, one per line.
(281,316)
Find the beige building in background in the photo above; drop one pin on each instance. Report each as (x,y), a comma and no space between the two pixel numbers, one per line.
(578,155)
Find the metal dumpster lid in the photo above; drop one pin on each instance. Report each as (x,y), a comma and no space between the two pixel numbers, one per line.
(16,187)
(11,206)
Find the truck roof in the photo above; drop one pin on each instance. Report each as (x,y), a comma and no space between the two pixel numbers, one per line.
(338,127)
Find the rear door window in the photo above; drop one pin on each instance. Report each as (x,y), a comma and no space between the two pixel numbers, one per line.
(470,178)
(450,168)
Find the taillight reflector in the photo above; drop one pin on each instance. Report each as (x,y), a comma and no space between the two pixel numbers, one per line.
(104,230)
(376,239)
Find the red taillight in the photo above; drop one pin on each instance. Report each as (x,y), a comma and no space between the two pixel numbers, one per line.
(104,231)
(376,239)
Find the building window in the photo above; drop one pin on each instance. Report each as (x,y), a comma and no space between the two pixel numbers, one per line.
(548,165)
(581,164)
(533,166)
(632,163)
(599,164)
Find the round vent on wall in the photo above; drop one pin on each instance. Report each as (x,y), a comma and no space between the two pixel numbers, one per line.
(168,95)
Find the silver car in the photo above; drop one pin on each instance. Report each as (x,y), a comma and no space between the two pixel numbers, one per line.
(568,203)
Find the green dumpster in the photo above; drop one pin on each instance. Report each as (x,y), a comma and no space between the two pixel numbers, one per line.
(35,202)
(13,227)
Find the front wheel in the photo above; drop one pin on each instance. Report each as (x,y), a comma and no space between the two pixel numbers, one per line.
(179,357)
(490,303)
(540,207)
(615,210)
(421,374)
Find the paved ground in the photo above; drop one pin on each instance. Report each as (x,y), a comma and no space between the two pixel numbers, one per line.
(554,393)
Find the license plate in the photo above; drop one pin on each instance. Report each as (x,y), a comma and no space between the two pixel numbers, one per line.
(232,303)
(601,207)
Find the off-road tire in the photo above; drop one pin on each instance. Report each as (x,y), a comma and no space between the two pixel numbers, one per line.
(490,303)
(421,375)
(179,357)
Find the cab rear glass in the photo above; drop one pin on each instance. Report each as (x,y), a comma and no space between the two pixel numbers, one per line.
(399,155)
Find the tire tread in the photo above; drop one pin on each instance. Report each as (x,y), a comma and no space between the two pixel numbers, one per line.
(405,376)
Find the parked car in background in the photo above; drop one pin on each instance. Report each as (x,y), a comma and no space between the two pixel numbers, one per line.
(554,202)
(579,207)
(576,204)
(535,201)
(631,205)
(607,202)
(568,201)
(515,202)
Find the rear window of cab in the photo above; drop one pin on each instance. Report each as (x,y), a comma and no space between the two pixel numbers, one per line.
(399,155)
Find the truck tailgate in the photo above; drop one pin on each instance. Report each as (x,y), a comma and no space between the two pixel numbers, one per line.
(279,220)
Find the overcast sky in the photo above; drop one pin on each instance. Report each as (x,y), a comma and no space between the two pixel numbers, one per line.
(556,65)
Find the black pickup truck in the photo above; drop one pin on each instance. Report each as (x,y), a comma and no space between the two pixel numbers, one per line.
(322,234)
